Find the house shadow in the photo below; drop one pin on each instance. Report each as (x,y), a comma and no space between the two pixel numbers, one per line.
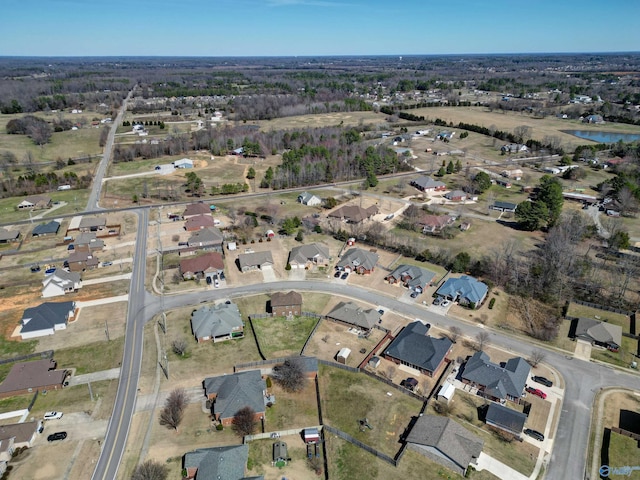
(604,451)
(630,421)
(509,224)
(482,412)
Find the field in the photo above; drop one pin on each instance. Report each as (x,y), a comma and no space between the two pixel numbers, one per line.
(346,119)
(279,336)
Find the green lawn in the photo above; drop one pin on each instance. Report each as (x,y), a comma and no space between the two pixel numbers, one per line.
(261,454)
(85,360)
(624,451)
(78,399)
(576,310)
(280,337)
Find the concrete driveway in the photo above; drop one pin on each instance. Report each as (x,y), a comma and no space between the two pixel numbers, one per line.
(268,273)
(583,350)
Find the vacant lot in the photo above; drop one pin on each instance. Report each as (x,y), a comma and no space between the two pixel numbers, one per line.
(279,336)
(346,119)
(292,410)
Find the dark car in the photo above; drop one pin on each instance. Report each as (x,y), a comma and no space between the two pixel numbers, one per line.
(414,294)
(344,275)
(409,383)
(534,434)
(543,380)
(337,274)
(35,268)
(57,436)
(437,301)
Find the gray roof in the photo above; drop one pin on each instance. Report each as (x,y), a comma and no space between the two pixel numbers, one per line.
(424,182)
(46,316)
(357,257)
(89,238)
(349,312)
(305,197)
(415,276)
(226,463)
(601,332)
(46,228)
(498,381)
(216,320)
(206,236)
(88,222)
(281,299)
(413,346)
(447,436)
(354,213)
(255,259)
(305,253)
(505,417)
(465,287)
(504,205)
(455,194)
(6,235)
(236,391)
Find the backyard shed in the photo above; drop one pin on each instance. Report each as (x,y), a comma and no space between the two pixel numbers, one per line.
(445,394)
(343,354)
(311,435)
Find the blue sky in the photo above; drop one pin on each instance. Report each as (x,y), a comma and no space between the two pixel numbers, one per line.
(315,27)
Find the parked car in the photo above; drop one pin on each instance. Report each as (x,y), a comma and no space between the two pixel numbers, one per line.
(414,294)
(445,303)
(409,383)
(35,268)
(537,392)
(50,271)
(57,436)
(107,264)
(543,380)
(534,434)
(344,275)
(381,311)
(337,274)
(71,246)
(53,415)
(216,282)
(437,301)
(208,280)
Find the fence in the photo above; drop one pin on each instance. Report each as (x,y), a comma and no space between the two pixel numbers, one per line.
(262,363)
(358,443)
(602,307)
(313,331)
(41,355)
(626,433)
(281,433)
(339,365)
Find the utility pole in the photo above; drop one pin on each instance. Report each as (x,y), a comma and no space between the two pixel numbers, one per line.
(90,391)
(106,329)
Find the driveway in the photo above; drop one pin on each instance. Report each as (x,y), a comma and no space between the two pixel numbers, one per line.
(583,350)
(268,274)
(297,274)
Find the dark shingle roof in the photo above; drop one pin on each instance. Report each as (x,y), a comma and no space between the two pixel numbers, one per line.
(356,257)
(506,418)
(216,320)
(464,287)
(235,391)
(279,299)
(413,346)
(420,277)
(45,316)
(349,312)
(498,381)
(601,332)
(226,463)
(304,253)
(424,182)
(46,228)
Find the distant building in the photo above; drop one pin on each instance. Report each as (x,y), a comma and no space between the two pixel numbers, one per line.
(35,202)
(309,199)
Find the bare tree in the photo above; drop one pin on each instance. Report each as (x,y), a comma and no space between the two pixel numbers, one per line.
(179,347)
(482,338)
(175,238)
(454,333)
(290,375)
(443,408)
(150,470)
(244,421)
(315,464)
(537,356)
(171,414)
(390,372)
(627,201)
(523,132)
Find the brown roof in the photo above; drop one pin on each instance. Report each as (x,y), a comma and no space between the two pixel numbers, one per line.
(354,213)
(40,373)
(198,222)
(21,431)
(196,209)
(85,257)
(437,221)
(208,261)
(280,299)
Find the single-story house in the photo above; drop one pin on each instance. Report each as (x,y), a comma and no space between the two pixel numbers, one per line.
(309,199)
(27,377)
(514,148)
(209,238)
(494,381)
(504,206)
(198,222)
(61,282)
(285,304)
(425,183)
(445,135)
(354,213)
(79,261)
(234,391)
(194,209)
(46,318)
(435,223)
(465,290)
(411,276)
(44,229)
(183,163)
(202,266)
(309,256)
(456,196)
(600,333)
(445,441)
(23,434)
(88,242)
(254,261)
(92,224)
(8,236)
(593,119)
(351,314)
(359,261)
(505,418)
(226,463)
(217,323)
(35,202)
(416,349)
(515,174)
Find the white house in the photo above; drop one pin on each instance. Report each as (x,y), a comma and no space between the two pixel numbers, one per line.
(183,163)
(61,282)
(309,199)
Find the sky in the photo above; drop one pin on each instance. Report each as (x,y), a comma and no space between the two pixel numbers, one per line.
(315,27)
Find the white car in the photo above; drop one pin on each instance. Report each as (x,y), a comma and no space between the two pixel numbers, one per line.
(53,415)
(445,303)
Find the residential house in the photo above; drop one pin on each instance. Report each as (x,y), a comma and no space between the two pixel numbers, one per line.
(23,434)
(505,418)
(35,202)
(309,199)
(198,222)
(358,260)
(494,381)
(309,256)
(435,223)
(285,304)
(46,319)
(217,323)
(226,463)
(254,261)
(202,266)
(465,290)
(92,224)
(446,442)
(234,391)
(445,136)
(6,453)
(209,238)
(425,183)
(416,349)
(415,278)
(60,282)
(351,314)
(603,334)
(456,196)
(593,119)
(504,206)
(44,229)
(354,213)
(515,174)
(183,163)
(9,236)
(194,209)
(27,377)
(88,242)
(514,148)
(80,260)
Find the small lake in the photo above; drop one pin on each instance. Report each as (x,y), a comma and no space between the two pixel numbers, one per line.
(604,137)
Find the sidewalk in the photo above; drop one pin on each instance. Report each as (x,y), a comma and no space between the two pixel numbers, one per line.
(94,377)
(113,278)
(103,301)
(499,469)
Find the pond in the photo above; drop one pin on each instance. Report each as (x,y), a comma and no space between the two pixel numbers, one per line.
(604,137)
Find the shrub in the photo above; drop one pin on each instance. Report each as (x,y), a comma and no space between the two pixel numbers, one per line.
(492,302)
(219,427)
(269,382)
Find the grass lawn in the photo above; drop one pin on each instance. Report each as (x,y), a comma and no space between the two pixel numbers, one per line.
(15,403)
(261,455)
(85,360)
(280,337)
(75,200)
(624,451)
(622,358)
(348,397)
(579,311)
(78,399)
(292,410)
